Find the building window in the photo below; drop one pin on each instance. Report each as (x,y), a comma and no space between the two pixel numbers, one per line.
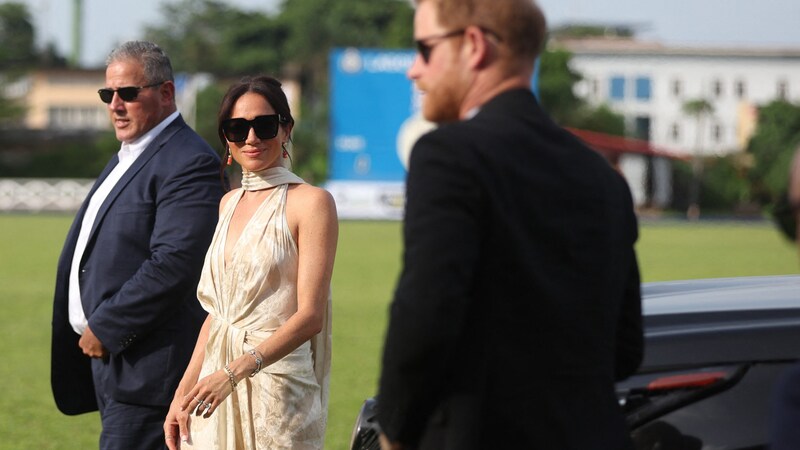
(783,90)
(717,88)
(717,132)
(741,90)
(617,89)
(641,128)
(677,88)
(643,88)
(676,132)
(77,118)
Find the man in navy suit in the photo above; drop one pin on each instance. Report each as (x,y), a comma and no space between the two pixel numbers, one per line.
(518,305)
(125,313)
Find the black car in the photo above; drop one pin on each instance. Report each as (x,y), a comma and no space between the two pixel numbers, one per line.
(714,350)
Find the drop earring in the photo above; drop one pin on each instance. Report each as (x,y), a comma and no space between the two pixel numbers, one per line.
(230,157)
(285,152)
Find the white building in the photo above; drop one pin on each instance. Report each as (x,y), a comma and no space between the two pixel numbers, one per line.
(650,83)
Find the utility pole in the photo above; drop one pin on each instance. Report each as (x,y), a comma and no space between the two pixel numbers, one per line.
(77,26)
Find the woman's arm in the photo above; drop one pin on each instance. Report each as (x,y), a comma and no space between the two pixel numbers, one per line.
(177,422)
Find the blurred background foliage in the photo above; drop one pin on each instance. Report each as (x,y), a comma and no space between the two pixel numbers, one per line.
(293,43)
(213,37)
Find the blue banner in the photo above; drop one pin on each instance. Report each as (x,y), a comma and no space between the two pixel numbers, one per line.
(374,121)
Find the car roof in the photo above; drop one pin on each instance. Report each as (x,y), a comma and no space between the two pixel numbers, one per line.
(721,294)
(721,321)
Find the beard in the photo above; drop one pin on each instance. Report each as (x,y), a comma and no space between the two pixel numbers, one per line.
(442,103)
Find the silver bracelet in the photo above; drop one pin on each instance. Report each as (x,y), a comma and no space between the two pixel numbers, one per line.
(259,361)
(230,377)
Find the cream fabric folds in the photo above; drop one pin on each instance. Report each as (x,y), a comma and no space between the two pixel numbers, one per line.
(285,405)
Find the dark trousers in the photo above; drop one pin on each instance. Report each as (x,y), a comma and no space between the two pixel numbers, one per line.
(127,426)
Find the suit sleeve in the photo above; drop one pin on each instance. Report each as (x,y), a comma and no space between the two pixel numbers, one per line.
(630,334)
(441,249)
(186,209)
(630,340)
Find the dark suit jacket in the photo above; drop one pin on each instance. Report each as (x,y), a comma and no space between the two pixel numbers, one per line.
(139,274)
(518,304)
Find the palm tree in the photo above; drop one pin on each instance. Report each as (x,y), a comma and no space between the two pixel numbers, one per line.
(700,109)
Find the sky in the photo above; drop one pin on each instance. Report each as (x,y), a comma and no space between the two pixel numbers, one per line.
(706,23)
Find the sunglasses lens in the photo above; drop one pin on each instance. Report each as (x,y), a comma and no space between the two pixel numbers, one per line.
(266,127)
(128,94)
(424,51)
(235,130)
(106,95)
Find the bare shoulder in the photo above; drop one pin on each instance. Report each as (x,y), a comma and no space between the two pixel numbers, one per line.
(308,197)
(310,208)
(225,198)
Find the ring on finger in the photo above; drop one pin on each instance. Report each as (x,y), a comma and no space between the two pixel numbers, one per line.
(208,406)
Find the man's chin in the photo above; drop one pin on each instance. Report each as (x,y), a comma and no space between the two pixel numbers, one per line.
(123,135)
(438,113)
(439,118)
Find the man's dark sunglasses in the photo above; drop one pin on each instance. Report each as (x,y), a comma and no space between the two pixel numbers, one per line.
(127,93)
(266,127)
(425,49)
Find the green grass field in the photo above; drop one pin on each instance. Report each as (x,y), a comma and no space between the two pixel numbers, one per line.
(367,264)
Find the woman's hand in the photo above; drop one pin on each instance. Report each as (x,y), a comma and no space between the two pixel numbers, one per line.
(204,398)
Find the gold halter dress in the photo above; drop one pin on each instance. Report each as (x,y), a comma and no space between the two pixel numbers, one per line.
(284,406)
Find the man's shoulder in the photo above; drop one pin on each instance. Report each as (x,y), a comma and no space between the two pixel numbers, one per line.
(188,141)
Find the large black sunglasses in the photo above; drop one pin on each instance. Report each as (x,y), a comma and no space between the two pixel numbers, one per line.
(127,93)
(266,127)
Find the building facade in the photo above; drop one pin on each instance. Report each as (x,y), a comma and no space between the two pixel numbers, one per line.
(63,99)
(651,84)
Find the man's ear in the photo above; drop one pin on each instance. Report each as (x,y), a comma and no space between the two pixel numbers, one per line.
(167,92)
(480,51)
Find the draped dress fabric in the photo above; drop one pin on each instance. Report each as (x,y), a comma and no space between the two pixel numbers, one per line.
(285,405)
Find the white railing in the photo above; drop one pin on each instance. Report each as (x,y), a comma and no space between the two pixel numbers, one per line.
(43,194)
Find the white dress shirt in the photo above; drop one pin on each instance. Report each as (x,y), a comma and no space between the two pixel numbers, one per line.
(127,154)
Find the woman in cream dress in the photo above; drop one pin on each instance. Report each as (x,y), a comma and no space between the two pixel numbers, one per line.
(258,378)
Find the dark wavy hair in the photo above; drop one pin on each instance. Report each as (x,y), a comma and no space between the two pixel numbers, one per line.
(264,85)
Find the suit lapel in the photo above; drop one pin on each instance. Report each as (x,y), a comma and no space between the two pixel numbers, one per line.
(130,174)
(72,235)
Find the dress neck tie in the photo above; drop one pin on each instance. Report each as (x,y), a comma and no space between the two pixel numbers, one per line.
(268,178)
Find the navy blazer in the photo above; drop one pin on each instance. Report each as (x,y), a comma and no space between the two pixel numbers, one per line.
(518,304)
(139,274)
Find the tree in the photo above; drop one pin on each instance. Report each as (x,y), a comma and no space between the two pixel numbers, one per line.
(557,96)
(211,36)
(556,83)
(700,109)
(601,119)
(17,54)
(772,146)
(18,50)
